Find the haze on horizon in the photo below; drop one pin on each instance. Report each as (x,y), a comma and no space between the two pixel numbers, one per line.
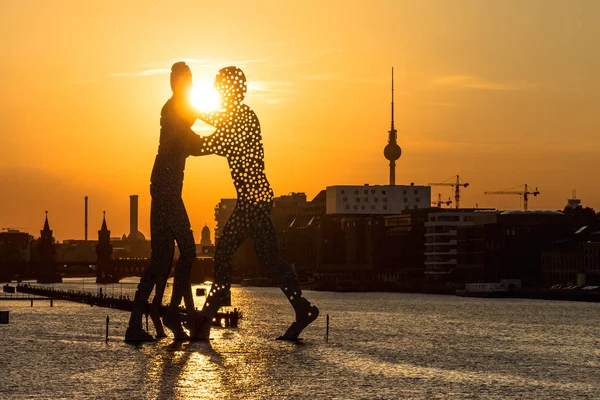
(502,93)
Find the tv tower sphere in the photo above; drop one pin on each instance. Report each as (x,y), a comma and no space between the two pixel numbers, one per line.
(392,151)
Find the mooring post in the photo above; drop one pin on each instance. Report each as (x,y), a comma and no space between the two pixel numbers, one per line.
(51,302)
(146,322)
(4,317)
(327,328)
(31,302)
(107,321)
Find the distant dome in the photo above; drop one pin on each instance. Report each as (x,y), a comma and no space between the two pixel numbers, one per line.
(136,237)
(531,212)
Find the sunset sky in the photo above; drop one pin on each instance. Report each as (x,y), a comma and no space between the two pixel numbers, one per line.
(501,92)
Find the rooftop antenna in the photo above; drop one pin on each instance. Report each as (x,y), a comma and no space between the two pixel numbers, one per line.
(392,129)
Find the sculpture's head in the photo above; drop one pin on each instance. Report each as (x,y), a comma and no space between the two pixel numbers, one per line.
(231,85)
(181,79)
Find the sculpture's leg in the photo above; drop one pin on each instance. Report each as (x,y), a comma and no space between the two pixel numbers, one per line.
(265,244)
(161,284)
(162,254)
(135,332)
(181,283)
(234,235)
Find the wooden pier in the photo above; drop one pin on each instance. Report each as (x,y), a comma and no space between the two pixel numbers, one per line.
(21,296)
(229,319)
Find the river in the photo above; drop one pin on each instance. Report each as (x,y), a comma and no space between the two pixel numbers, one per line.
(381,346)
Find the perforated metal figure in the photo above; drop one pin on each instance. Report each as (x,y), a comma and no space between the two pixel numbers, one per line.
(169,221)
(238,137)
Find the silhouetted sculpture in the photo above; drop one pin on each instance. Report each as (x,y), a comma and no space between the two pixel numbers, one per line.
(169,221)
(238,137)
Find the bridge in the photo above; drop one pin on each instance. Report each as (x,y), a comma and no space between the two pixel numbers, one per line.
(109,263)
(118,268)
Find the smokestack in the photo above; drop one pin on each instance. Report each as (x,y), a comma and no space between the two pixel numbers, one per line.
(133,215)
(86,217)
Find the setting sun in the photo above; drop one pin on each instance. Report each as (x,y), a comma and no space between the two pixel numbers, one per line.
(204,97)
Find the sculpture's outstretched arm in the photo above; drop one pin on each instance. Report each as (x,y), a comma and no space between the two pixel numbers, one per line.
(205,145)
(212,118)
(212,144)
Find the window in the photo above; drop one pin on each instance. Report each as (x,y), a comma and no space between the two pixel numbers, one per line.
(416,192)
(362,207)
(366,199)
(404,191)
(415,207)
(418,199)
(345,199)
(385,199)
(372,207)
(358,199)
(406,207)
(366,192)
(385,207)
(356,207)
(376,199)
(356,192)
(383,192)
(372,191)
(343,191)
(347,207)
(406,200)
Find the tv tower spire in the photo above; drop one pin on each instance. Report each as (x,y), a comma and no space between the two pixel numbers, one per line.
(392,151)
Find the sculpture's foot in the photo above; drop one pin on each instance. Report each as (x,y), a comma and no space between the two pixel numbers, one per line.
(158,326)
(137,335)
(304,317)
(199,325)
(172,320)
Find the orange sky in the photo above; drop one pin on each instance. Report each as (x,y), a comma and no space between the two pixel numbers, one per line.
(501,92)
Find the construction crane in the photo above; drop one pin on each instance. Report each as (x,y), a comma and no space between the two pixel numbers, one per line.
(525,193)
(456,185)
(439,201)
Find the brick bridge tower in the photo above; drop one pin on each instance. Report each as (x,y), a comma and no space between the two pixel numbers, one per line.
(104,264)
(47,270)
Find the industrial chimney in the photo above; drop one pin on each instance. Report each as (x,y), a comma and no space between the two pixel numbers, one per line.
(133,216)
(86,217)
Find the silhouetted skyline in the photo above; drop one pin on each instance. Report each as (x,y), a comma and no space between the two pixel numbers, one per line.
(502,94)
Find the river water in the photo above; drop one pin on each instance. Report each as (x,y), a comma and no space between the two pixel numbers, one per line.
(381,346)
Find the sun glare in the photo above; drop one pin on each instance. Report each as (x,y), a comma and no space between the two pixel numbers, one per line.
(204,97)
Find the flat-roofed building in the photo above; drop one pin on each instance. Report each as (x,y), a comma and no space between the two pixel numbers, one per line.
(376,199)
(442,238)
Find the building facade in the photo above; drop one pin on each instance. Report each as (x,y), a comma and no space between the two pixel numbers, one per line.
(376,199)
(442,240)
(223,211)
(14,254)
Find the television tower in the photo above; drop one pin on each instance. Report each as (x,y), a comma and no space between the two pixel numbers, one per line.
(392,151)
